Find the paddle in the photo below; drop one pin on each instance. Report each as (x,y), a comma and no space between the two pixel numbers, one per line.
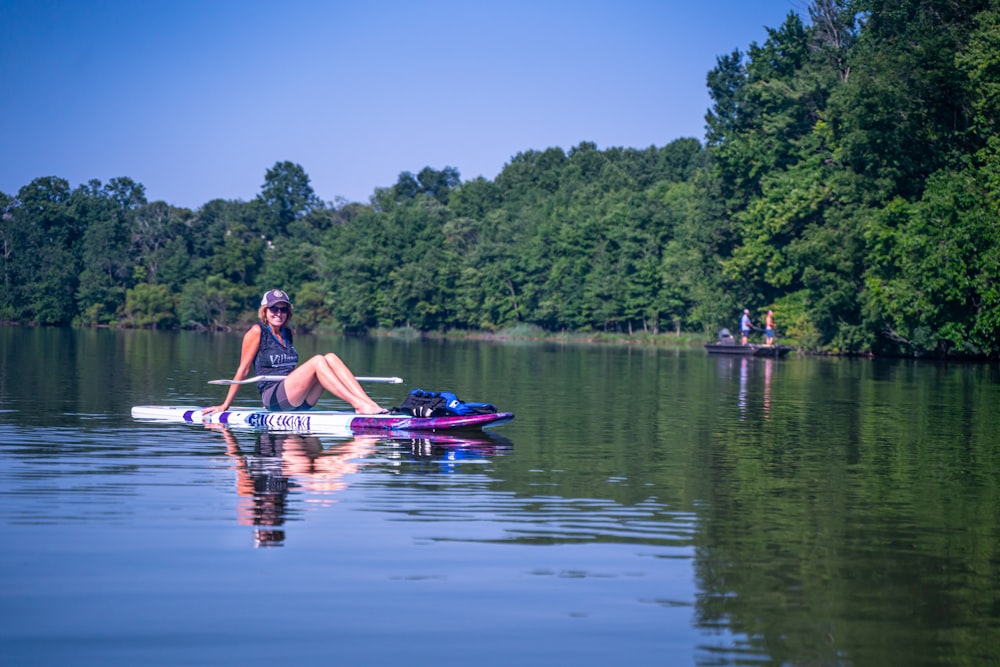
(276,378)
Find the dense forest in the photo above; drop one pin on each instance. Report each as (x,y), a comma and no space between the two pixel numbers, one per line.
(849,179)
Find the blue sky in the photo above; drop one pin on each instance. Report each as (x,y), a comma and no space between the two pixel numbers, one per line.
(197,99)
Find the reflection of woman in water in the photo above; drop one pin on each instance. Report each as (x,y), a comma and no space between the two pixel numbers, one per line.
(279,462)
(261,479)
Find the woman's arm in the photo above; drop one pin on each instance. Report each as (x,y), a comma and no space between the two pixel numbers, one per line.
(251,343)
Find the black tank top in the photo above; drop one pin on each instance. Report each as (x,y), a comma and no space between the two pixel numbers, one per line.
(273,358)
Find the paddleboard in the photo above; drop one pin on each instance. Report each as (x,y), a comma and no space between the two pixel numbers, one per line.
(316,421)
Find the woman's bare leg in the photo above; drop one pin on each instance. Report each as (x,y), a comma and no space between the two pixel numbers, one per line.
(327,372)
(345,375)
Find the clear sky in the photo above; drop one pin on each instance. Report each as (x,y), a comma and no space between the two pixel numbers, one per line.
(196,99)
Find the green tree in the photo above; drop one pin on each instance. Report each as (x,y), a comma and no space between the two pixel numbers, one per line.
(905,111)
(701,235)
(431,182)
(289,262)
(150,306)
(216,304)
(311,307)
(760,108)
(43,266)
(106,212)
(7,241)
(160,245)
(979,63)
(232,240)
(285,197)
(439,184)
(936,288)
(357,258)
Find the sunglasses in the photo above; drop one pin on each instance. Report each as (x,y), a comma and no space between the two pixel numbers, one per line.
(279,310)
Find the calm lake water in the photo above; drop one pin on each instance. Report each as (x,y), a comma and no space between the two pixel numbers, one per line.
(646,507)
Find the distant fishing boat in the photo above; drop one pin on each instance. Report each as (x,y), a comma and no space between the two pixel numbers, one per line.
(727,345)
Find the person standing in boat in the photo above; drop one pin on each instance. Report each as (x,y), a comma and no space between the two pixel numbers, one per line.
(769,327)
(745,325)
(267,346)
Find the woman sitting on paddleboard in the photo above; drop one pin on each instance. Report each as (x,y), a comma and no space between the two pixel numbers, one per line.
(268,347)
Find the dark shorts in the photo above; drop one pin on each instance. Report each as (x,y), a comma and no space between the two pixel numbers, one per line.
(276,400)
(769,333)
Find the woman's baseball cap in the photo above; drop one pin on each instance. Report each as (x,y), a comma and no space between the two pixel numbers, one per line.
(274,297)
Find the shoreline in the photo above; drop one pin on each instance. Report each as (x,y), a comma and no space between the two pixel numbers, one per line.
(532,334)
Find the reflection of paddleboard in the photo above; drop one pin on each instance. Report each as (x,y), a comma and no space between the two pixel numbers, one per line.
(448,446)
(317,421)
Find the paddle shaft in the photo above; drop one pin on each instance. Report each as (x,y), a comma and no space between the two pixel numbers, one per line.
(278,378)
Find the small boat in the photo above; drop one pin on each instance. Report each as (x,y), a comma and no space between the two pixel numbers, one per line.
(727,345)
(318,421)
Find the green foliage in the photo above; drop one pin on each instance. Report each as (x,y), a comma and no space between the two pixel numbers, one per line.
(936,286)
(430,182)
(150,306)
(285,197)
(848,181)
(216,304)
(107,214)
(904,113)
(522,331)
(41,254)
(792,320)
(162,246)
(979,63)
(311,308)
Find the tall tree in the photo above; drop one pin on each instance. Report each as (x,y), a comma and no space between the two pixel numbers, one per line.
(905,111)
(759,109)
(431,182)
(7,241)
(160,241)
(106,212)
(835,30)
(286,196)
(43,263)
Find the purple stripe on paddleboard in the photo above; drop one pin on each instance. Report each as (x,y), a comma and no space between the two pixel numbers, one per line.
(402,423)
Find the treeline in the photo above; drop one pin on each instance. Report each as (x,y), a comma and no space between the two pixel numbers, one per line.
(849,180)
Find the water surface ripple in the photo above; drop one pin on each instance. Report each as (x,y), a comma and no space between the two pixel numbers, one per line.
(646,507)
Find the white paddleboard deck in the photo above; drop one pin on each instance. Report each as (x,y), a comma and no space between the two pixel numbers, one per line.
(316,421)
